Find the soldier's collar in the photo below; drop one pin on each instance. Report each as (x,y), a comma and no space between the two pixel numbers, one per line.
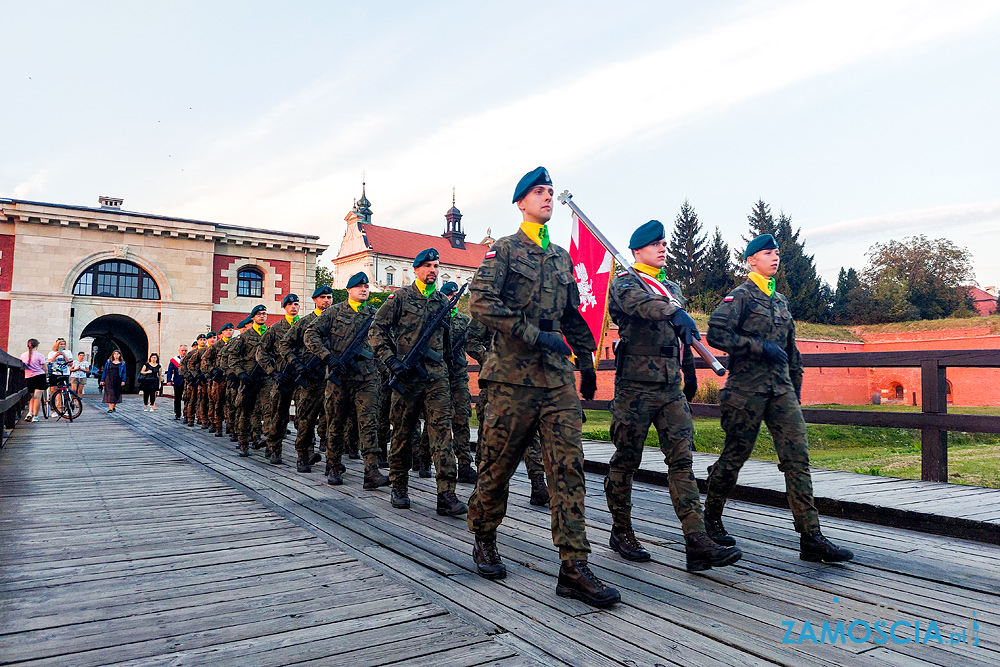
(355,304)
(317,312)
(766,285)
(291,319)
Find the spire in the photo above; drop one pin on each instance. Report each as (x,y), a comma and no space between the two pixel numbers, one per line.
(362,207)
(453,227)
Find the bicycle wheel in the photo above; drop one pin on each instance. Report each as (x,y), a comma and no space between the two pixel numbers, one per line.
(74,405)
(45,406)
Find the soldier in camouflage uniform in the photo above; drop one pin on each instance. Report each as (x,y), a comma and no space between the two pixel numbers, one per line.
(480,342)
(193,408)
(185,370)
(228,366)
(396,328)
(276,403)
(243,360)
(357,393)
(525,292)
(217,380)
(753,324)
(205,365)
(308,400)
(648,391)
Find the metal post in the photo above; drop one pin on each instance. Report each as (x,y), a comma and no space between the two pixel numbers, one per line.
(933,441)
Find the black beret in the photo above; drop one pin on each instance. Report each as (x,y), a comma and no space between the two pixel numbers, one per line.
(357,279)
(201,337)
(289,298)
(211,334)
(321,290)
(194,344)
(539,176)
(245,321)
(429,255)
(449,288)
(762,242)
(651,232)
(226,327)
(257,309)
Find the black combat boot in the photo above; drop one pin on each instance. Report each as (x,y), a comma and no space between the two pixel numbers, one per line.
(425,469)
(624,542)
(539,491)
(204,426)
(315,458)
(232,437)
(335,477)
(487,559)
(190,423)
(704,554)
(450,505)
(416,466)
(716,531)
(353,453)
(577,581)
(302,465)
(275,458)
(211,428)
(400,499)
(243,449)
(218,433)
(467,474)
(267,452)
(814,547)
(373,478)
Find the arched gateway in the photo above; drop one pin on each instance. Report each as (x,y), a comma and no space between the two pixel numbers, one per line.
(110,332)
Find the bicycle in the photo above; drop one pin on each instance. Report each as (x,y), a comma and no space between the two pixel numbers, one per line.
(64,401)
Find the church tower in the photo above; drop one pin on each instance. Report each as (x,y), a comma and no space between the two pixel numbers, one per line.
(453,225)
(362,207)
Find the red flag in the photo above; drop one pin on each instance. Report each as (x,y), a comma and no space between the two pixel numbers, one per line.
(592,269)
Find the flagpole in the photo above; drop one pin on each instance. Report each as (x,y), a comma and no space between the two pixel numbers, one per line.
(699,347)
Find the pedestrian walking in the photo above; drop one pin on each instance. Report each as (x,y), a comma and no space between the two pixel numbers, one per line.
(149,382)
(34,375)
(78,371)
(113,379)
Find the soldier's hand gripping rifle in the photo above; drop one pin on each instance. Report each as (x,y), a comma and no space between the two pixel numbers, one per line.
(347,362)
(412,363)
(699,347)
(251,383)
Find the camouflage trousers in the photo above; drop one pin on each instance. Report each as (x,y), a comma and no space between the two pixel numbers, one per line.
(248,416)
(276,418)
(384,423)
(461,402)
(532,455)
(433,397)
(514,415)
(204,391)
(636,406)
(308,411)
(190,400)
(217,403)
(742,413)
(357,398)
(232,394)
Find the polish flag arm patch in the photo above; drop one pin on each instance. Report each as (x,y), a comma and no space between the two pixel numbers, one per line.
(728,298)
(490,255)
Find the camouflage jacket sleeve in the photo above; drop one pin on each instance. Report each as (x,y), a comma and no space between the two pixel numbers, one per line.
(287,345)
(235,353)
(267,353)
(795,368)
(477,341)
(486,297)
(380,334)
(208,358)
(725,326)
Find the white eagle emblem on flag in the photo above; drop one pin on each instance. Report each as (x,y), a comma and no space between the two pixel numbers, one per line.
(587,298)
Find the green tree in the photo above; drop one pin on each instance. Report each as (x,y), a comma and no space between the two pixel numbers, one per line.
(717,277)
(324,276)
(918,278)
(808,296)
(761,222)
(849,299)
(686,252)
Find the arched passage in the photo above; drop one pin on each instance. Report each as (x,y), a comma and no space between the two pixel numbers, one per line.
(121,332)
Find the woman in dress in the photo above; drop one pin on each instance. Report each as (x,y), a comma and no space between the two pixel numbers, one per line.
(149,382)
(113,379)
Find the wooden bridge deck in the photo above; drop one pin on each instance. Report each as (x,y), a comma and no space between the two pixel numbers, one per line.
(136,579)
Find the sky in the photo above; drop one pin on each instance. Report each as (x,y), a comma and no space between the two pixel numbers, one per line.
(862,121)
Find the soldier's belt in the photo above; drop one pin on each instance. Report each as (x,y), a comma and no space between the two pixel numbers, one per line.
(549,325)
(649,350)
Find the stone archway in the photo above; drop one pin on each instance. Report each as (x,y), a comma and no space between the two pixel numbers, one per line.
(122,332)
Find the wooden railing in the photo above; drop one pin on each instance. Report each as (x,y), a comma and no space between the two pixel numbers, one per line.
(13,393)
(933,421)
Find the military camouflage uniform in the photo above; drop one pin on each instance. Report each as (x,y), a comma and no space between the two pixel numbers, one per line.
(308,400)
(275,405)
(243,359)
(383,422)
(204,389)
(330,334)
(231,383)
(519,291)
(185,370)
(193,409)
(209,364)
(758,390)
(396,328)
(648,390)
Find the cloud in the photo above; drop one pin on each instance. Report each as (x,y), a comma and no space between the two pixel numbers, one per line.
(35,183)
(294,184)
(937,220)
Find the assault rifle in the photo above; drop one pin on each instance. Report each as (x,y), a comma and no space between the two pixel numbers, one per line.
(298,374)
(348,360)
(252,383)
(412,363)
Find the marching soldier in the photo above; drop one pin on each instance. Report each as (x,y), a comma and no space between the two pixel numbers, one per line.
(480,342)
(398,325)
(328,337)
(231,371)
(194,372)
(205,367)
(185,371)
(461,399)
(525,292)
(277,403)
(217,388)
(243,362)
(308,400)
(753,324)
(648,391)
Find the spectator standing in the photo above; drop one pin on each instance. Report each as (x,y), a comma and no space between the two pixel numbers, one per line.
(59,360)
(176,380)
(113,379)
(149,382)
(78,373)
(34,374)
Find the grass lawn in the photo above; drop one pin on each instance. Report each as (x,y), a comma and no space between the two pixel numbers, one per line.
(973,458)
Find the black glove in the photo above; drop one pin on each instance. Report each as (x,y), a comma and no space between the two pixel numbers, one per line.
(297,367)
(336,365)
(775,354)
(550,340)
(245,378)
(396,367)
(690,377)
(588,383)
(685,327)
